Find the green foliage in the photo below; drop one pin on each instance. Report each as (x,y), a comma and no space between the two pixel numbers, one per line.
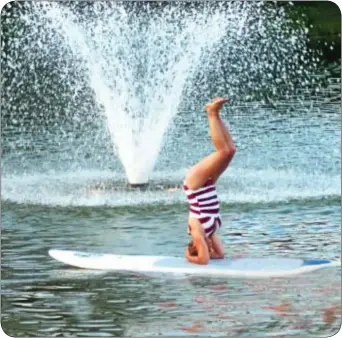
(323,18)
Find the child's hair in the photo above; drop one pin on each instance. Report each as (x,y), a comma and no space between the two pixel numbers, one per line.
(192,249)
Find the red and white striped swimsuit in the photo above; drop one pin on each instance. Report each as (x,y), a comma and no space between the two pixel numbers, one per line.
(205,206)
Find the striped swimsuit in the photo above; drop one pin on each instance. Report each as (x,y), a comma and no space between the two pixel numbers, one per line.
(205,206)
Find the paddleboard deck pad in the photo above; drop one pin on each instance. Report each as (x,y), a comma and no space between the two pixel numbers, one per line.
(239,267)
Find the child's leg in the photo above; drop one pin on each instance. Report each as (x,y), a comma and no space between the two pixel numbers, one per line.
(215,164)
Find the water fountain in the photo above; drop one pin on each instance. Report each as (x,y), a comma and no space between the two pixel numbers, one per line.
(141,61)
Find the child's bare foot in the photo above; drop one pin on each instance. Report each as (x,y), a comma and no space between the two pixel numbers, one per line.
(215,105)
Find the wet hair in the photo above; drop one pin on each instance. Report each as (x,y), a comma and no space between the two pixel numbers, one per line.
(192,249)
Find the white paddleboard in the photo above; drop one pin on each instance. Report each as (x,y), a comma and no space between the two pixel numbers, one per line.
(240,267)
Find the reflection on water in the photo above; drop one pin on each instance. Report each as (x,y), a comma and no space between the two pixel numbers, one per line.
(280,197)
(43,297)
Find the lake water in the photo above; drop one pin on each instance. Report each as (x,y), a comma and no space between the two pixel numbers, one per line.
(62,187)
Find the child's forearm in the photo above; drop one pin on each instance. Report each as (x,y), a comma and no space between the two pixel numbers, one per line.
(214,255)
(194,259)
